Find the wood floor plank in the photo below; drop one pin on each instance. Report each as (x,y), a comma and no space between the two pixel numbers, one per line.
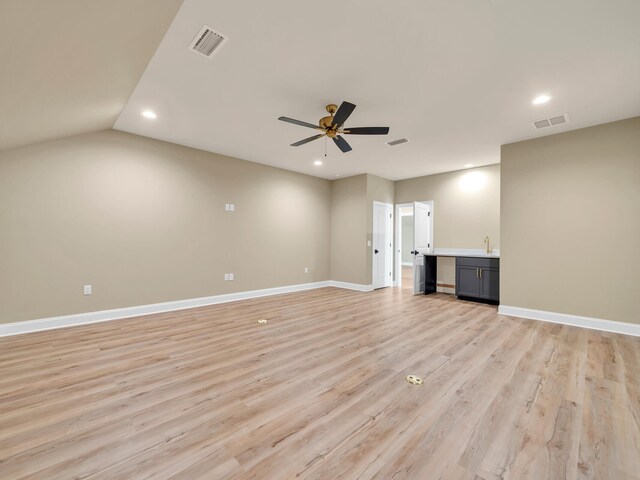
(319,392)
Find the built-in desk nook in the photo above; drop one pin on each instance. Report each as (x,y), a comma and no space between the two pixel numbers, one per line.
(477,276)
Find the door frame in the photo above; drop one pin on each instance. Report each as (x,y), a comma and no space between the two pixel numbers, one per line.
(398,238)
(390,228)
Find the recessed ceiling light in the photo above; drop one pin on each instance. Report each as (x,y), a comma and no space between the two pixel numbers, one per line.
(540,99)
(317,163)
(337,174)
(468,165)
(149,114)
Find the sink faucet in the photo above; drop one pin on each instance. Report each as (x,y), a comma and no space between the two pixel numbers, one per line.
(486,240)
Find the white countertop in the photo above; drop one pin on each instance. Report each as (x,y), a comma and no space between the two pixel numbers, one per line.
(464,252)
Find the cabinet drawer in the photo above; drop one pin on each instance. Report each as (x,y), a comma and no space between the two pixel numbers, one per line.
(478,262)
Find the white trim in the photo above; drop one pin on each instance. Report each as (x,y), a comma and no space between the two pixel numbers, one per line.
(388,235)
(406,264)
(397,246)
(574,320)
(447,290)
(397,249)
(351,286)
(64,321)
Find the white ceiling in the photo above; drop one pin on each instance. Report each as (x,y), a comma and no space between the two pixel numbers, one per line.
(455,77)
(69,66)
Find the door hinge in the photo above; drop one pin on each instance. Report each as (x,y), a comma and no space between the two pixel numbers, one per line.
(428,245)
(390,216)
(389,273)
(428,214)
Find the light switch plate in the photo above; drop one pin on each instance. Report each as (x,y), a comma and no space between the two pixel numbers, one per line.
(87,289)
(226,277)
(231,276)
(232,207)
(306,269)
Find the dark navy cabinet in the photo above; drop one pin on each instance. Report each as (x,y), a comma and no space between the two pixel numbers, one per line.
(478,278)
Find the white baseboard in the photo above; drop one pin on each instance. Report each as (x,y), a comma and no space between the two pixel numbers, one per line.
(447,290)
(28,326)
(351,286)
(574,320)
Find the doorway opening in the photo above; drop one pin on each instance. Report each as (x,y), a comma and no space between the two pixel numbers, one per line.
(414,238)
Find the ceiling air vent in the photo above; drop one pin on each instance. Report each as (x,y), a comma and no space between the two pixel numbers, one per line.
(207,42)
(393,143)
(551,121)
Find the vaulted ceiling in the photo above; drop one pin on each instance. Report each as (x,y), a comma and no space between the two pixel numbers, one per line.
(457,78)
(69,66)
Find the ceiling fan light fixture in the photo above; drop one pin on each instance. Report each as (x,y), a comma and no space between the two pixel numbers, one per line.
(332,127)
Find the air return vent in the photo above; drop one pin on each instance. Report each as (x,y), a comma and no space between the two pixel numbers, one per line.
(551,121)
(393,143)
(207,42)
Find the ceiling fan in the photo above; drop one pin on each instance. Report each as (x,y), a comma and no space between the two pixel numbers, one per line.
(332,126)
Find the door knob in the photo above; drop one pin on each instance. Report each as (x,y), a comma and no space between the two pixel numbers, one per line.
(375,251)
(414,252)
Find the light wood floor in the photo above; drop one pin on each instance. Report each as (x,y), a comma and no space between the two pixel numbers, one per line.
(319,392)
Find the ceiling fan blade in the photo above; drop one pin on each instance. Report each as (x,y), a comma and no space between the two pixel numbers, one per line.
(344,110)
(307,140)
(342,144)
(299,122)
(367,130)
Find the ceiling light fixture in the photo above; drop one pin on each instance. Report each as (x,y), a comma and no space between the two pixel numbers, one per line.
(468,165)
(317,163)
(540,99)
(149,114)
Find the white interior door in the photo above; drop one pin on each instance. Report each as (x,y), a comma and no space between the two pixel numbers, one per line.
(421,243)
(382,245)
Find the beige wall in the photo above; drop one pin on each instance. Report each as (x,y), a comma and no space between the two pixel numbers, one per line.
(379,190)
(466,208)
(352,225)
(466,205)
(571,222)
(143,221)
(349,230)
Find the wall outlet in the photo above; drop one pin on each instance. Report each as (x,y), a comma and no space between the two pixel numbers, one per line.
(306,269)
(87,289)
(231,276)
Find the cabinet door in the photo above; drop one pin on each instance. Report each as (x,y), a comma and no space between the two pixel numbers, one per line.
(490,284)
(467,281)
